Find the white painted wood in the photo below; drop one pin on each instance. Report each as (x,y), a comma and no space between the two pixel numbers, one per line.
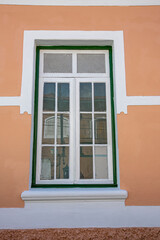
(82,2)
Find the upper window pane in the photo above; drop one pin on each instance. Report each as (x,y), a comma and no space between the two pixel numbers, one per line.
(91,63)
(57,63)
(49,97)
(99,97)
(63,97)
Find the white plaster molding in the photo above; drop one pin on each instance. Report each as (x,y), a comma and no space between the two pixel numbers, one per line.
(143,100)
(80,214)
(53,195)
(10,101)
(83,2)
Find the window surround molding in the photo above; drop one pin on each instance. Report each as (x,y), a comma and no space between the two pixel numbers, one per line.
(98,38)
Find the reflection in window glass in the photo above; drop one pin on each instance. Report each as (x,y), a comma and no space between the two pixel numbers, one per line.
(49,97)
(62,128)
(63,97)
(101,163)
(86,163)
(85,97)
(99,97)
(47,163)
(100,129)
(62,163)
(86,128)
(48,129)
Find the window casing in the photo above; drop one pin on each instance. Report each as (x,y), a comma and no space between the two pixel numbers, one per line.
(74,141)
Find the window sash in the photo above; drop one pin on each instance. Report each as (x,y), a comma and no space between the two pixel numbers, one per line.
(74,143)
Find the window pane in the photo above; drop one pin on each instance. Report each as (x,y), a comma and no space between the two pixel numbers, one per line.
(47,163)
(49,97)
(91,63)
(99,97)
(62,128)
(101,163)
(57,63)
(63,97)
(62,163)
(48,129)
(86,128)
(86,163)
(85,97)
(100,129)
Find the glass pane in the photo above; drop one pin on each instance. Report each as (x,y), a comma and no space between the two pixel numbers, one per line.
(86,128)
(49,97)
(101,163)
(62,128)
(62,163)
(57,63)
(85,97)
(63,97)
(86,163)
(91,63)
(100,129)
(47,163)
(48,129)
(99,97)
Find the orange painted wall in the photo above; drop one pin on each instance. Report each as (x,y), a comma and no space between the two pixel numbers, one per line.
(138,131)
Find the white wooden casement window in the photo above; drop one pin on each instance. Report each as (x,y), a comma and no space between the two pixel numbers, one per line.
(74,136)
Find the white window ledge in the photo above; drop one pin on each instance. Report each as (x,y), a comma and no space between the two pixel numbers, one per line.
(35,196)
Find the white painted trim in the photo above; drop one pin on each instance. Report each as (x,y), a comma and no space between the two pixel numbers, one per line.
(73,194)
(143,100)
(79,214)
(10,101)
(83,2)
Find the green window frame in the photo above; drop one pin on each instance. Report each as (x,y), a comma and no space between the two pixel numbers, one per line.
(35,127)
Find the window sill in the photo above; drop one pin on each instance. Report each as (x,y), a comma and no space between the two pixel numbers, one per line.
(62,195)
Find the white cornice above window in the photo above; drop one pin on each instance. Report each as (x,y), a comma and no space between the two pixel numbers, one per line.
(83,2)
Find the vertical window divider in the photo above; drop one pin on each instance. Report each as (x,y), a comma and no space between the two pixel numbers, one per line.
(77,129)
(55,132)
(74,63)
(93,141)
(72,138)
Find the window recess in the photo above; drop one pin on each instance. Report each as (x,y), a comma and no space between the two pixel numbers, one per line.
(74,137)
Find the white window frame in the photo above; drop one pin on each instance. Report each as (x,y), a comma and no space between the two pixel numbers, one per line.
(74,79)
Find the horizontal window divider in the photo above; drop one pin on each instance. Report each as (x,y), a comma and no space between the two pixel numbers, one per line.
(73,75)
(55,145)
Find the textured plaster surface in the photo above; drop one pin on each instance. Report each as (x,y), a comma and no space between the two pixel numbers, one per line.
(79,234)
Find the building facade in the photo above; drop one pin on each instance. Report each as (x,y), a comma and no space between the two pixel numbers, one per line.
(80,114)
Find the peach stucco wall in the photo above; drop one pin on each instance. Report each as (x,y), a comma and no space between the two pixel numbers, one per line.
(138,131)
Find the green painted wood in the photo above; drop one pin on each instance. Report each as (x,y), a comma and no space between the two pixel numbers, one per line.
(34,185)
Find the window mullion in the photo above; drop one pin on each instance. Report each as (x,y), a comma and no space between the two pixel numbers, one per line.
(93,139)
(55,132)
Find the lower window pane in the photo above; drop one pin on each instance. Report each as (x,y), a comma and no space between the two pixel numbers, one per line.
(86,162)
(47,163)
(62,163)
(101,163)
